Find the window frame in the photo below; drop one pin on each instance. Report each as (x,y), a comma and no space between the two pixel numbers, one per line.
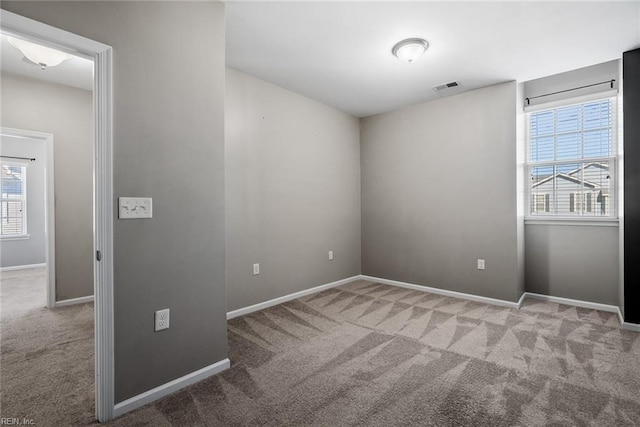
(612,159)
(24,232)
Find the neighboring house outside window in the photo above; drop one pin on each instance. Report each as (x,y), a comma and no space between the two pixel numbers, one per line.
(541,202)
(571,160)
(14,200)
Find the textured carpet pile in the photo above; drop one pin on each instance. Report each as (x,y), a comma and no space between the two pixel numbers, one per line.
(46,356)
(361,354)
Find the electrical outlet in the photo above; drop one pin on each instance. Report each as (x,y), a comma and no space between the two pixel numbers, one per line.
(330,255)
(256,269)
(162,319)
(480,264)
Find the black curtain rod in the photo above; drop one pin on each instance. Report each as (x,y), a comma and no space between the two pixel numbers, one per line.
(33,159)
(611,82)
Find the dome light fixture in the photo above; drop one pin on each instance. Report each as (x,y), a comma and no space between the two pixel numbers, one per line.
(38,54)
(409,50)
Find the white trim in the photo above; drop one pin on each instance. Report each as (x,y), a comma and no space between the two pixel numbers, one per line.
(635,327)
(11,237)
(101,54)
(73,301)
(444,292)
(620,316)
(22,267)
(573,302)
(592,222)
(558,300)
(49,204)
(24,165)
(585,304)
(47,35)
(170,387)
(270,303)
(611,96)
(438,291)
(521,300)
(103,240)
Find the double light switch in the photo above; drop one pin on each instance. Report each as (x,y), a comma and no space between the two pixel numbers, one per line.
(134,207)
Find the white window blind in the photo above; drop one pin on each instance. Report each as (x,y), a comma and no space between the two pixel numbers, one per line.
(571,160)
(14,201)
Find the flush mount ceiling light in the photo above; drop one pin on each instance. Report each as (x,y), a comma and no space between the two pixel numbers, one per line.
(40,55)
(410,49)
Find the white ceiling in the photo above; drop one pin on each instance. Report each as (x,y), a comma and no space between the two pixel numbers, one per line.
(76,72)
(339,53)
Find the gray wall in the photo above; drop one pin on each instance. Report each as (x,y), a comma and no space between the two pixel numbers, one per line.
(573,261)
(67,113)
(572,79)
(168,145)
(293,191)
(439,191)
(33,249)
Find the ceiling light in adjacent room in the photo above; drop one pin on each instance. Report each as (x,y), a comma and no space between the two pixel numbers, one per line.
(410,49)
(40,55)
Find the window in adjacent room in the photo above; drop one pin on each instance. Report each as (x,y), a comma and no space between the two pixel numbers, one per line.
(14,200)
(571,160)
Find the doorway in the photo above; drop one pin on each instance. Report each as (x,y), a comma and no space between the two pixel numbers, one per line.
(29,240)
(45,35)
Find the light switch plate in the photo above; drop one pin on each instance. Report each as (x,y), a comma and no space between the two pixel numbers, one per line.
(135,207)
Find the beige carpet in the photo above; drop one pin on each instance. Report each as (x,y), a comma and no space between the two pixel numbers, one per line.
(46,356)
(370,354)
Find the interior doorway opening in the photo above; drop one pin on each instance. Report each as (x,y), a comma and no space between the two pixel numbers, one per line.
(101,248)
(28,210)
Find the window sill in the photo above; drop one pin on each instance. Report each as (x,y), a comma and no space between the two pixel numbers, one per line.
(597,222)
(16,237)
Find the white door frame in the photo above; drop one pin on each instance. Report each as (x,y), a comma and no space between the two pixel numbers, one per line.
(101,55)
(49,208)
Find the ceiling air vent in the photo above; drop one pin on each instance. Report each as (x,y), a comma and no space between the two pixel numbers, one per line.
(448,88)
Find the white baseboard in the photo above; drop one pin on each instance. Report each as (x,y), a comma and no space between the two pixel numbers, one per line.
(586,304)
(22,267)
(635,327)
(437,291)
(74,301)
(444,292)
(270,303)
(620,316)
(170,387)
(521,300)
(573,302)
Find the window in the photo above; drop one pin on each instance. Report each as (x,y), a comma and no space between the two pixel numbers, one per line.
(541,202)
(14,200)
(575,202)
(571,160)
